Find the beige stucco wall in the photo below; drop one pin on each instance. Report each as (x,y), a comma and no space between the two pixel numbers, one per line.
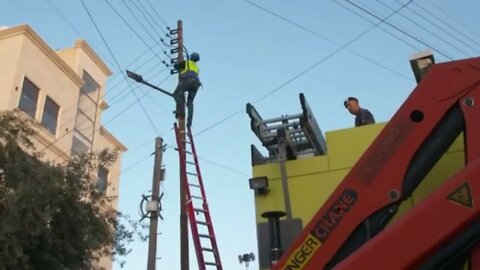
(9,53)
(58,75)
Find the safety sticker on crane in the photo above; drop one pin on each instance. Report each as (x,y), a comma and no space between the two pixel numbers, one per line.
(462,196)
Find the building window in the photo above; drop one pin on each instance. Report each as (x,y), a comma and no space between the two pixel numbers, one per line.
(86,115)
(80,145)
(29,98)
(90,86)
(50,115)
(102,181)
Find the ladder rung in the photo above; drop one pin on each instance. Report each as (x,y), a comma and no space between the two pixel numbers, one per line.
(207,249)
(202,222)
(190,173)
(191,163)
(186,151)
(205,236)
(210,263)
(197,197)
(194,185)
(199,210)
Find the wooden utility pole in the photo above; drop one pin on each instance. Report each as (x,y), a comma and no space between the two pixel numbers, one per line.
(153,204)
(184,260)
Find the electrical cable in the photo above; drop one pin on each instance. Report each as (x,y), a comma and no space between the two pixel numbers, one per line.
(455,30)
(305,71)
(442,29)
(400,30)
(119,67)
(158,15)
(330,40)
(453,18)
(425,29)
(131,28)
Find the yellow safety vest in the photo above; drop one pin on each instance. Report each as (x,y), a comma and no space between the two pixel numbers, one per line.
(190,66)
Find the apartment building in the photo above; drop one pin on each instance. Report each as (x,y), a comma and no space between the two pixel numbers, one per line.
(63,92)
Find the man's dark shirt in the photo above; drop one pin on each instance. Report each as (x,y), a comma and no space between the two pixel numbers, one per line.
(364,117)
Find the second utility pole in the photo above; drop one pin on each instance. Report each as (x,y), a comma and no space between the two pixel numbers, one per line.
(157,177)
(184,260)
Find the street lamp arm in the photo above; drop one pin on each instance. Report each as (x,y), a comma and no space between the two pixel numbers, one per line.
(138,78)
(157,88)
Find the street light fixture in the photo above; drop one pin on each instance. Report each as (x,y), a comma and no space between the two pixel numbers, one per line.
(139,79)
(259,184)
(421,63)
(246,258)
(136,77)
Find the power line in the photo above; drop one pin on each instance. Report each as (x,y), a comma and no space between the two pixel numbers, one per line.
(152,18)
(131,105)
(143,13)
(146,18)
(115,116)
(119,97)
(424,28)
(456,30)
(442,29)
(121,93)
(145,158)
(158,15)
(79,34)
(299,74)
(330,55)
(223,166)
(142,160)
(215,163)
(119,67)
(381,28)
(140,56)
(305,71)
(138,162)
(128,93)
(65,19)
(131,28)
(110,105)
(104,124)
(398,29)
(230,116)
(453,18)
(113,87)
(326,39)
(139,22)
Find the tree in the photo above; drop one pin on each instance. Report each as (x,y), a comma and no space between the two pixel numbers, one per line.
(51,215)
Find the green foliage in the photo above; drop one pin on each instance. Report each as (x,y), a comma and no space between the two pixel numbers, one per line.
(51,215)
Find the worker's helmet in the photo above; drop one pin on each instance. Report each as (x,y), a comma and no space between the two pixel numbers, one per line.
(195,57)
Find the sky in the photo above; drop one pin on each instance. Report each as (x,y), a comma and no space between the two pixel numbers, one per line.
(264,52)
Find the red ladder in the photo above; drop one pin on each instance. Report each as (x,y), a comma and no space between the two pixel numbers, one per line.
(197,207)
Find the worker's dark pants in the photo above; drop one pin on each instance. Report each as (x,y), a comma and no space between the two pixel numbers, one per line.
(190,85)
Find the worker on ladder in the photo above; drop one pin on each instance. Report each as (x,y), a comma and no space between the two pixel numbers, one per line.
(188,82)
